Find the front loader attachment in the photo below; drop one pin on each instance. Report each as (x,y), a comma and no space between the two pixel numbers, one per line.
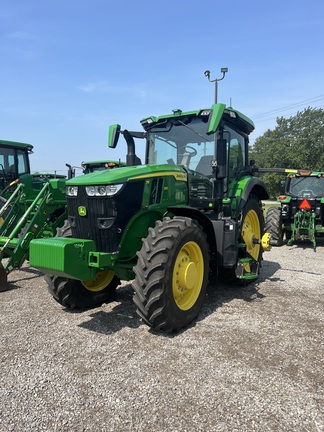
(23,223)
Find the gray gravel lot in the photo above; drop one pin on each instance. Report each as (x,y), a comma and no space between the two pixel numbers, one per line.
(252,361)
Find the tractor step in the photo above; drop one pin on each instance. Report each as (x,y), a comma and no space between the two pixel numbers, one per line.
(249,276)
(241,245)
(241,272)
(245,260)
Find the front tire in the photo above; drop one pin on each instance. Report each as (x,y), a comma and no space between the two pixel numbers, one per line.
(171,274)
(76,294)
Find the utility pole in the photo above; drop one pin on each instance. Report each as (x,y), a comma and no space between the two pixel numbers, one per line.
(207,74)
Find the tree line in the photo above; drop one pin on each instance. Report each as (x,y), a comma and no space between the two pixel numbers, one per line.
(296,142)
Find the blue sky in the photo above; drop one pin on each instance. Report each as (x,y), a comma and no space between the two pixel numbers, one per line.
(70,68)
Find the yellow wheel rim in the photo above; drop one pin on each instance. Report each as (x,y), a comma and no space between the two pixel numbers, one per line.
(100,281)
(251,230)
(188,275)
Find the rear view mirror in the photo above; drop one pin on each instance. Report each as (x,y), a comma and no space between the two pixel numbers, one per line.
(113,135)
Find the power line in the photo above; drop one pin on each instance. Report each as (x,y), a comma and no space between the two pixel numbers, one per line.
(297,104)
(252,140)
(287,115)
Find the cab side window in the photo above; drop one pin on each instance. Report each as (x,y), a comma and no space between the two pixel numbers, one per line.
(236,154)
(22,162)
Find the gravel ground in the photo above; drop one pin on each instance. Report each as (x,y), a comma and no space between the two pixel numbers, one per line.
(252,361)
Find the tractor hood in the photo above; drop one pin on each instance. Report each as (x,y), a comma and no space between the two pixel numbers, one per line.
(123,175)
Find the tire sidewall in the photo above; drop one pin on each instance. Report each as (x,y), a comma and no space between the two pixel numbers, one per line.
(178,316)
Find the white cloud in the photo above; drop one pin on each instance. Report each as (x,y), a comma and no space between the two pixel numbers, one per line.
(105,87)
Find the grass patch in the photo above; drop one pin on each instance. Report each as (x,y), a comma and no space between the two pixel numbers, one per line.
(267,205)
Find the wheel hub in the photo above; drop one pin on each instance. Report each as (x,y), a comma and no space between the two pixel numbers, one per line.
(248,236)
(187,273)
(251,233)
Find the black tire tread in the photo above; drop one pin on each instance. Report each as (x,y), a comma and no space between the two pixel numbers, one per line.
(273,226)
(150,283)
(71,294)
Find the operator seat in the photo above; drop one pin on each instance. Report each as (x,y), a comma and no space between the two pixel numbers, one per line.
(204,165)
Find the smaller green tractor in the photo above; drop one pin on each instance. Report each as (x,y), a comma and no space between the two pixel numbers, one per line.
(301,212)
(89,167)
(32,205)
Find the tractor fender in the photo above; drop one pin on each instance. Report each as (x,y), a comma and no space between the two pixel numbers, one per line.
(222,242)
(255,187)
(200,217)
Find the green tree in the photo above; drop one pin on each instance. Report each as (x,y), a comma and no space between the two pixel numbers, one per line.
(296,142)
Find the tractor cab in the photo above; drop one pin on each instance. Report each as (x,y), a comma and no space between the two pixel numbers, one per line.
(210,146)
(305,185)
(14,161)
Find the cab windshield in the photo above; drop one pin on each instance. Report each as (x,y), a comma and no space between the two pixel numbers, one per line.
(307,187)
(182,141)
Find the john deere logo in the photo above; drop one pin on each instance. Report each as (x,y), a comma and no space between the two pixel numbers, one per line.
(82,211)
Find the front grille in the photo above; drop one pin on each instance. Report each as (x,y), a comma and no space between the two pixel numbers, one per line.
(106,217)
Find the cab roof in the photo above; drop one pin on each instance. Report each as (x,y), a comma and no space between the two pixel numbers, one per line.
(16,144)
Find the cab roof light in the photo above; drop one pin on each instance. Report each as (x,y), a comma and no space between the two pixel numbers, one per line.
(230,113)
(205,113)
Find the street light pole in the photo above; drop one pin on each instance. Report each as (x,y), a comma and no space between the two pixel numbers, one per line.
(207,74)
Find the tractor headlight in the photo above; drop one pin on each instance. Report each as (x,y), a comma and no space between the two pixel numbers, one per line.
(72,191)
(104,190)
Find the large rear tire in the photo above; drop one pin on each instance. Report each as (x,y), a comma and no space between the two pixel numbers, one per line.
(76,294)
(171,274)
(273,226)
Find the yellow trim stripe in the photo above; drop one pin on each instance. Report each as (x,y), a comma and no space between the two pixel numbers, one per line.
(177,175)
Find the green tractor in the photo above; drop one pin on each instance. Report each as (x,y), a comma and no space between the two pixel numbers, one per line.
(15,168)
(301,212)
(31,206)
(191,211)
(89,167)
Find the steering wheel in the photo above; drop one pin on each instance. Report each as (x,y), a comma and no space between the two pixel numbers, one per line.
(191,153)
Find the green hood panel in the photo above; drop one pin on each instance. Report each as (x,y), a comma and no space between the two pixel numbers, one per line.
(123,175)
